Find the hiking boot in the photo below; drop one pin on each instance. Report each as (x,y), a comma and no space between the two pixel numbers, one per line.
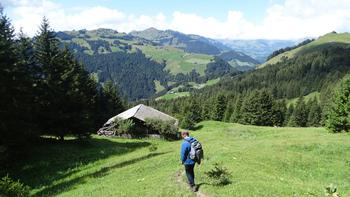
(194,188)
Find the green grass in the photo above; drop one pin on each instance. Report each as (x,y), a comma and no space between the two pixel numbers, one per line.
(307,98)
(169,96)
(178,61)
(263,161)
(173,93)
(159,87)
(321,42)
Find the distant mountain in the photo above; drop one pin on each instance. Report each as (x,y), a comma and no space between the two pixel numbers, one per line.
(154,60)
(258,49)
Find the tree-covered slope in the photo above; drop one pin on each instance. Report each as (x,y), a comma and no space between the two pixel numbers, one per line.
(328,40)
(111,55)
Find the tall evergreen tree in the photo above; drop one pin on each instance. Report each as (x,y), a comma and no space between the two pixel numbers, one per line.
(338,117)
(236,115)
(257,109)
(315,113)
(279,109)
(300,114)
(289,114)
(109,103)
(219,108)
(229,110)
(67,92)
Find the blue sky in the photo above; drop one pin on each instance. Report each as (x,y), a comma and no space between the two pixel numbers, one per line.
(254,10)
(223,19)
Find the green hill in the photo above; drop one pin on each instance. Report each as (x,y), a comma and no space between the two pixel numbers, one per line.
(331,39)
(111,55)
(262,160)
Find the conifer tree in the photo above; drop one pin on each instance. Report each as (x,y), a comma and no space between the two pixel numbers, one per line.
(338,117)
(315,113)
(229,111)
(289,114)
(257,109)
(236,115)
(300,114)
(219,108)
(109,103)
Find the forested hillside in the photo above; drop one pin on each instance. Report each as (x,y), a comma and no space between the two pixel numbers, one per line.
(317,69)
(157,60)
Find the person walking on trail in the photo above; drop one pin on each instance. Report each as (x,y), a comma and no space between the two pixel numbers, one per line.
(186,159)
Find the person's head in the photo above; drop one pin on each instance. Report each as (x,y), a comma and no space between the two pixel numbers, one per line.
(185,134)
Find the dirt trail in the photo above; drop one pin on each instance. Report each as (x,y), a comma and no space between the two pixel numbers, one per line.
(181,182)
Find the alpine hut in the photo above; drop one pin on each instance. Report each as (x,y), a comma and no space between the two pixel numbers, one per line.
(139,114)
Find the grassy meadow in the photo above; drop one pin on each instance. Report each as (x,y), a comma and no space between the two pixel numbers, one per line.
(263,161)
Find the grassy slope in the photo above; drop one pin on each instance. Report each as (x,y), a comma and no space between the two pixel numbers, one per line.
(306,98)
(173,95)
(264,161)
(331,38)
(178,61)
(176,94)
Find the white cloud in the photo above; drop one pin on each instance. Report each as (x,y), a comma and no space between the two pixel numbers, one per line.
(291,20)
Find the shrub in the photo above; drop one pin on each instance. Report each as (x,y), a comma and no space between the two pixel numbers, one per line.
(125,126)
(153,148)
(167,129)
(331,190)
(8,187)
(187,123)
(219,175)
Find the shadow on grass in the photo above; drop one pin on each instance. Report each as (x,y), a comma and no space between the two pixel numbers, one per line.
(50,160)
(198,127)
(56,189)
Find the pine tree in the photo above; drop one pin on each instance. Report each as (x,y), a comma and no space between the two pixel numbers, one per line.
(236,115)
(279,112)
(191,115)
(109,103)
(300,114)
(17,104)
(315,113)
(289,114)
(67,91)
(257,109)
(8,81)
(338,117)
(229,111)
(219,108)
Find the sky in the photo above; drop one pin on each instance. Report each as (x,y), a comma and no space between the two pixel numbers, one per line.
(218,19)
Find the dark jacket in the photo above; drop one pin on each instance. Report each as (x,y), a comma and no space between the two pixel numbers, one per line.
(185,151)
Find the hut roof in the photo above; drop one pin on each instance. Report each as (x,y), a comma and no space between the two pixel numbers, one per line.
(142,112)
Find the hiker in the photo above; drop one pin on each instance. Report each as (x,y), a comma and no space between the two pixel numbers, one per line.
(186,159)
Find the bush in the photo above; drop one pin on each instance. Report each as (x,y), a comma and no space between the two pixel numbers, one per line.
(219,175)
(167,129)
(8,187)
(152,148)
(187,123)
(125,126)
(331,190)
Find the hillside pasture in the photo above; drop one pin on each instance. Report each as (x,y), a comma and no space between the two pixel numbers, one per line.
(263,161)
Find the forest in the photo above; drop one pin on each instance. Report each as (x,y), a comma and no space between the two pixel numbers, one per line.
(46,91)
(234,97)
